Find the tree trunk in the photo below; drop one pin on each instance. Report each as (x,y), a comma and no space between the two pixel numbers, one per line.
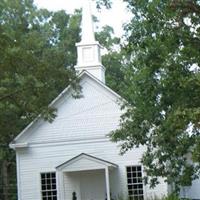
(5,180)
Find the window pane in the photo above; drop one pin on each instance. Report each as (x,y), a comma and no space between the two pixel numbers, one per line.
(135,192)
(42,176)
(134,169)
(43,187)
(141,197)
(44,194)
(134,175)
(140,186)
(129,180)
(135,186)
(48,175)
(139,168)
(139,180)
(53,186)
(129,187)
(134,180)
(128,169)
(48,187)
(140,191)
(129,175)
(139,174)
(53,175)
(130,192)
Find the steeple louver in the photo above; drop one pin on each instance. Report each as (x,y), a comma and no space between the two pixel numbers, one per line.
(89,50)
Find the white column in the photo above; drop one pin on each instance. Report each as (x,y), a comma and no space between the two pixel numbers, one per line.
(107,183)
(60,185)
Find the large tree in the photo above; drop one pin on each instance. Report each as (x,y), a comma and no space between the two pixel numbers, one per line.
(162,88)
(37,55)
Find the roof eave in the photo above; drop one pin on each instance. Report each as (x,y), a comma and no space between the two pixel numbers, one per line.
(19,145)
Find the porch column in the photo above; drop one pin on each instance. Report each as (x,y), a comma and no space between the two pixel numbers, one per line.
(60,185)
(107,183)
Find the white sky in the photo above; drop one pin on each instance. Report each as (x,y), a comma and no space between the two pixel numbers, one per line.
(114,17)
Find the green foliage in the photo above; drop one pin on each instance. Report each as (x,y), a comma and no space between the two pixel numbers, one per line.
(171,197)
(114,70)
(113,59)
(105,3)
(37,55)
(162,87)
(106,38)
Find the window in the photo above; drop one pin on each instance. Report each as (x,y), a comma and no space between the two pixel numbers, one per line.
(134,182)
(48,186)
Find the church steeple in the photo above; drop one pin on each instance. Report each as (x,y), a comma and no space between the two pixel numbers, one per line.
(87,24)
(89,55)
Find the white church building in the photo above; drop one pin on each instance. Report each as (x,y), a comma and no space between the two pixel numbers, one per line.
(73,157)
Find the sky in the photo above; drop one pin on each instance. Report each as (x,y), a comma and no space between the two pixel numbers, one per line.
(114,17)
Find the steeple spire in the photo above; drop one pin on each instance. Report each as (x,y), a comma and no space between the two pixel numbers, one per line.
(89,50)
(87,24)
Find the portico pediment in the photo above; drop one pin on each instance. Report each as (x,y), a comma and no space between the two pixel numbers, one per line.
(84,162)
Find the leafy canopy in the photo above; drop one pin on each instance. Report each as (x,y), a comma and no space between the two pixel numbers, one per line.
(37,54)
(162,87)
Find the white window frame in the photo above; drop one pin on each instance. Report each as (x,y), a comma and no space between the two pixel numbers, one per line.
(136,183)
(48,190)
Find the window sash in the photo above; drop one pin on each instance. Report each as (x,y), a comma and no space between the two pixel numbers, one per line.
(135,182)
(48,186)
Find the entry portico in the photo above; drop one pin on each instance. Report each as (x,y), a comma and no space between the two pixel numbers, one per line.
(87,176)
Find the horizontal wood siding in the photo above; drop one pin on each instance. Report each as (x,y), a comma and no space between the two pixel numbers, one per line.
(94,115)
(35,160)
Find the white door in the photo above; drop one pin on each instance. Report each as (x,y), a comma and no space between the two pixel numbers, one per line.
(92,185)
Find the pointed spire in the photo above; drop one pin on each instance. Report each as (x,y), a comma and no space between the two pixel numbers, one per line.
(87,24)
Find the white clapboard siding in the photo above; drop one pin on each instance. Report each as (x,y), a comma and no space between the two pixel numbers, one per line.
(94,115)
(34,160)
